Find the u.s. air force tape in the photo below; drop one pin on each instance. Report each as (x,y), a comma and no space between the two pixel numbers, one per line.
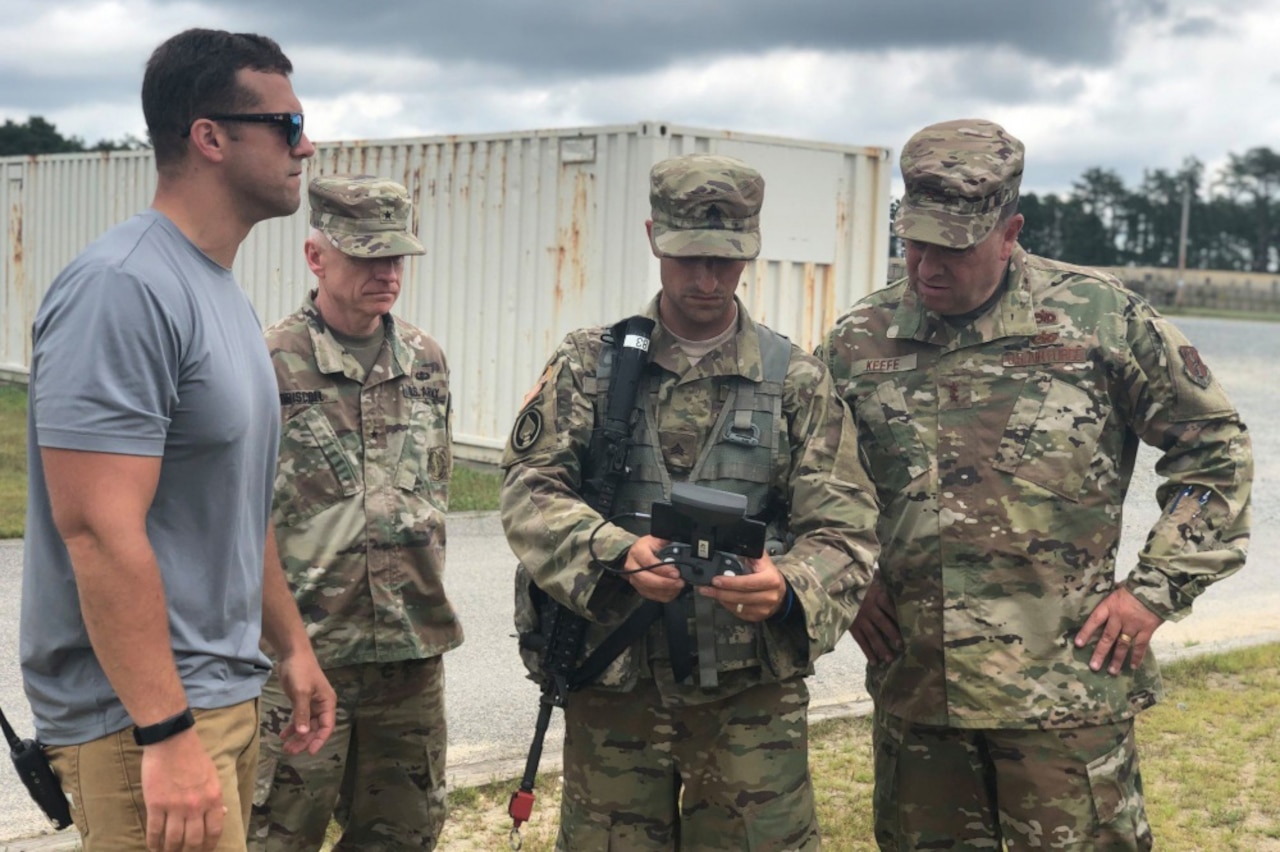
(527,430)
(636,341)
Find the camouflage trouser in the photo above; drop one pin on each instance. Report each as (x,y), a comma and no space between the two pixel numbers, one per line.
(727,775)
(950,788)
(381,773)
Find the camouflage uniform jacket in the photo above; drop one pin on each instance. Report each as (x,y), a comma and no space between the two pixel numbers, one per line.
(831,507)
(361,491)
(1001,452)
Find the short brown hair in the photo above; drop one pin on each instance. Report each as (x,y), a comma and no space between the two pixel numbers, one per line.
(193,74)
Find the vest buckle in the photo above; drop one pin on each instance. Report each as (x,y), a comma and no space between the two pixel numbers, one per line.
(748,437)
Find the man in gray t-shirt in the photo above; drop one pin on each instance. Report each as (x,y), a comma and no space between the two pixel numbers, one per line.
(144,346)
(151,569)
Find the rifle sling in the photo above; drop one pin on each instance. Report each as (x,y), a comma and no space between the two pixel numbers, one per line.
(636,625)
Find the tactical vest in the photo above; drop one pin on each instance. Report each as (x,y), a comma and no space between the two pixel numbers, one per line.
(744,449)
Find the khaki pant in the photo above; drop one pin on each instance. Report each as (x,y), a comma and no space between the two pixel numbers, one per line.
(103,779)
(959,789)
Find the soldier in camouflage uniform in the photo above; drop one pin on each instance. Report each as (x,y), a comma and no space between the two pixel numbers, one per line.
(999,399)
(652,761)
(361,494)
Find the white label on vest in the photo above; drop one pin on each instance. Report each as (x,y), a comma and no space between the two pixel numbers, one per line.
(636,341)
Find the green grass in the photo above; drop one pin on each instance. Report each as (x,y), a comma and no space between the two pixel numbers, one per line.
(13,460)
(473,487)
(1210,756)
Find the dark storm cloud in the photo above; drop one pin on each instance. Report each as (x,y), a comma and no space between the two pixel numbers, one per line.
(567,37)
(39,94)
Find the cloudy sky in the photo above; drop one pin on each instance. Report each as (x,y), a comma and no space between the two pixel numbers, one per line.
(1123,84)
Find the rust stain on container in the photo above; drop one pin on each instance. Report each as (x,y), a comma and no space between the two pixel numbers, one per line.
(577,228)
(17,278)
(16,251)
(415,192)
(571,267)
(557,296)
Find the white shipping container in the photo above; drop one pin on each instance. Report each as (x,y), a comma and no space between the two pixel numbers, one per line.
(528,236)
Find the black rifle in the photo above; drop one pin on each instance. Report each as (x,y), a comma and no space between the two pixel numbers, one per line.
(34,770)
(604,469)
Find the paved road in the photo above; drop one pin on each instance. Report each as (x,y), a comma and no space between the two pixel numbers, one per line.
(492,706)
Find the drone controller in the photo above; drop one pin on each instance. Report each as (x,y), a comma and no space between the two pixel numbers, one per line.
(709,532)
(698,572)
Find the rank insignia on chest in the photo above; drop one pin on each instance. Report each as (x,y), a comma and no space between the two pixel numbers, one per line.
(1045,338)
(1196,369)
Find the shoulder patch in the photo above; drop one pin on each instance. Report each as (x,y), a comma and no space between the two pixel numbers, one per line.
(538,385)
(527,431)
(1196,395)
(1194,366)
(438,464)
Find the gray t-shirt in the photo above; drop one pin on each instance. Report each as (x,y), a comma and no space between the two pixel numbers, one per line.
(144,346)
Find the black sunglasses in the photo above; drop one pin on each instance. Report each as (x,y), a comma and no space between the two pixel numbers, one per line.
(289,122)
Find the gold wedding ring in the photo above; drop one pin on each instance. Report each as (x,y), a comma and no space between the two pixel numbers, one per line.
(739,608)
(1126,638)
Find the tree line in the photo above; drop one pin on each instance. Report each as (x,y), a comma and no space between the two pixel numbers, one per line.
(1232,220)
(38,136)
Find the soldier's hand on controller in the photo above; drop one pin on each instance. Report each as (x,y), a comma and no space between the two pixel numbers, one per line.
(661,584)
(751,596)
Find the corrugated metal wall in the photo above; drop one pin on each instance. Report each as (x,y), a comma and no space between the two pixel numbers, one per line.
(528,235)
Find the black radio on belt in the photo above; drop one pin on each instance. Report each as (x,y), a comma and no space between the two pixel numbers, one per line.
(708,529)
(34,770)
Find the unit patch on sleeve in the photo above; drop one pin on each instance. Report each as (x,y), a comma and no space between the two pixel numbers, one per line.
(1194,366)
(527,430)
(438,464)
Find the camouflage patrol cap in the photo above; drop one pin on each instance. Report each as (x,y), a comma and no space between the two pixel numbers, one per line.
(363,216)
(705,205)
(958,176)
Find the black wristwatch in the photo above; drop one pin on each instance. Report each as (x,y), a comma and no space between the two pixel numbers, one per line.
(162,730)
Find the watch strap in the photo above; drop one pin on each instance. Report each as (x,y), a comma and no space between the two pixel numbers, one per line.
(145,735)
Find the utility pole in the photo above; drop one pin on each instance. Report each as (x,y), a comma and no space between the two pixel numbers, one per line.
(1182,232)
(1182,239)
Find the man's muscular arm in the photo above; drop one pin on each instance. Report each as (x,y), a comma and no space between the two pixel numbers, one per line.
(100,503)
